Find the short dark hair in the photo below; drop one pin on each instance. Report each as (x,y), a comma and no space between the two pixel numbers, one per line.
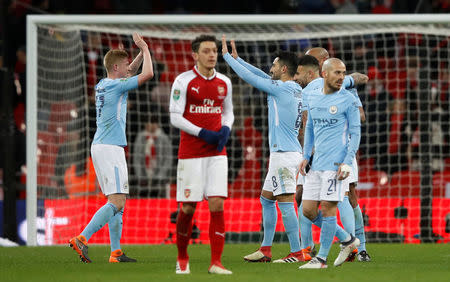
(309,61)
(195,45)
(290,60)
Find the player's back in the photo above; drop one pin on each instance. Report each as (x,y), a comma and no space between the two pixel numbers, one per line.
(284,116)
(328,115)
(111,109)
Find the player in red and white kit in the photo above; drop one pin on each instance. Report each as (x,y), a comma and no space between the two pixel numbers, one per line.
(201,107)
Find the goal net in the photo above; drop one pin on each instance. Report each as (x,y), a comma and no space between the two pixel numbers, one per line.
(404,158)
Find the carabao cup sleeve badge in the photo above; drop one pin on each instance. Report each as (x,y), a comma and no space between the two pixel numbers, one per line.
(176,94)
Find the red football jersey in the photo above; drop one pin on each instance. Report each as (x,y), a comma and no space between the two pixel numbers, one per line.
(201,101)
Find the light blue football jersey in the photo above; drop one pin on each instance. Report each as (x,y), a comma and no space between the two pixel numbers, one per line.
(284,102)
(333,129)
(111,109)
(348,84)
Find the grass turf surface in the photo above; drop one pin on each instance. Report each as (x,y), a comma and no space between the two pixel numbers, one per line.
(390,262)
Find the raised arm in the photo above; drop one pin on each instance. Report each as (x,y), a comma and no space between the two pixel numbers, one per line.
(253,69)
(235,55)
(264,84)
(134,66)
(250,67)
(147,68)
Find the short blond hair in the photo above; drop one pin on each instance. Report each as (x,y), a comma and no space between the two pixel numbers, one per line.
(112,57)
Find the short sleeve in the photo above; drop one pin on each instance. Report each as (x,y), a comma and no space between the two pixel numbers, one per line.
(127,84)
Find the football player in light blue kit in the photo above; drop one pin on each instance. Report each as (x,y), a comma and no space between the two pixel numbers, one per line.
(107,150)
(334,130)
(349,210)
(283,96)
(308,77)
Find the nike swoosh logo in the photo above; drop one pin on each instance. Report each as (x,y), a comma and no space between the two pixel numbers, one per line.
(220,234)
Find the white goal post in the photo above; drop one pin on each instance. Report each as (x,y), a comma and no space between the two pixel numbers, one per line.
(354,24)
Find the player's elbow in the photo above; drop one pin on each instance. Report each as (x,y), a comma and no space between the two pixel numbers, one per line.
(144,77)
(149,74)
(173,119)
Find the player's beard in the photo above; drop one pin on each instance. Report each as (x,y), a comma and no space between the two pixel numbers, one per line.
(303,82)
(333,87)
(275,76)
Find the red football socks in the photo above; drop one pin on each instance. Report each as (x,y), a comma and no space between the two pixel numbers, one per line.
(216,236)
(184,231)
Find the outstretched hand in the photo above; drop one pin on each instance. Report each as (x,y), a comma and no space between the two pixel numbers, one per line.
(139,41)
(224,45)
(234,52)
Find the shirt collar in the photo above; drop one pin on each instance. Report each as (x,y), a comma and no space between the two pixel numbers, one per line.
(195,69)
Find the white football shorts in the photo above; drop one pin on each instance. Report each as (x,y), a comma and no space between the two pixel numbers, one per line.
(111,168)
(282,175)
(324,186)
(200,178)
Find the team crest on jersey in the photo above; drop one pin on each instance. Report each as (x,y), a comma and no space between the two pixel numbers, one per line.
(176,94)
(221,90)
(187,193)
(333,110)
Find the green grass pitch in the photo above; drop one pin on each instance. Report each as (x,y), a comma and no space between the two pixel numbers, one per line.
(391,262)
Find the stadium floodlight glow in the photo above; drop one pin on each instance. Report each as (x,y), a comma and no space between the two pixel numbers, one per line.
(64,54)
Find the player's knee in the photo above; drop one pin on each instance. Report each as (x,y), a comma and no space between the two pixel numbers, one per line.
(188,208)
(268,195)
(285,198)
(328,208)
(311,214)
(118,200)
(298,194)
(352,196)
(215,204)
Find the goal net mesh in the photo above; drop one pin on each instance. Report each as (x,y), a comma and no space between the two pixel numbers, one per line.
(400,60)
